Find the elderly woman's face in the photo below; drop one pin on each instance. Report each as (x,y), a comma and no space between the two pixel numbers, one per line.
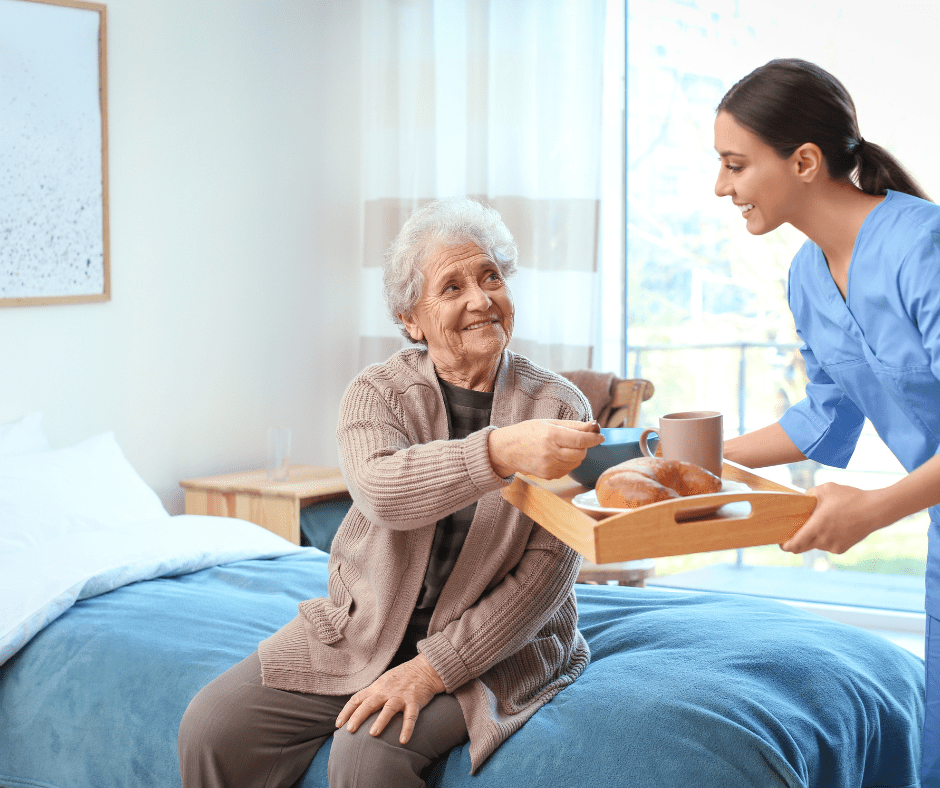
(465,312)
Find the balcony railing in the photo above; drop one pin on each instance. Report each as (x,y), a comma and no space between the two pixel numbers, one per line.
(637,352)
(802,476)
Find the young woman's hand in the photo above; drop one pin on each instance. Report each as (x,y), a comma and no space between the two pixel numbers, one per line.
(845,515)
(546,448)
(406,688)
(842,518)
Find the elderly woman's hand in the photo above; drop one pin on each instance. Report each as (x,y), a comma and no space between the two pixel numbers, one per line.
(407,688)
(546,448)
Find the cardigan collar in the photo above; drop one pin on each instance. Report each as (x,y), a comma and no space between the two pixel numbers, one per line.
(502,389)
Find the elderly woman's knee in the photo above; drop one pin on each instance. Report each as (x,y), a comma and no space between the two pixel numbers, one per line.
(205,733)
(361,760)
(215,723)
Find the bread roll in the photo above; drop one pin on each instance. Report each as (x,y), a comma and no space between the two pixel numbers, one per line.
(646,480)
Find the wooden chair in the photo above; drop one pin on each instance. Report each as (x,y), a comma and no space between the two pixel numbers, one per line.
(628,395)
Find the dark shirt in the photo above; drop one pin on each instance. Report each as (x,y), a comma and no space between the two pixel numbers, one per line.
(467,411)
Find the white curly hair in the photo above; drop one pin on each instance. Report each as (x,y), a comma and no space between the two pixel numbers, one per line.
(447,222)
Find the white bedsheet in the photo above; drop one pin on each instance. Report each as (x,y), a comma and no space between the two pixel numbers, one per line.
(42,578)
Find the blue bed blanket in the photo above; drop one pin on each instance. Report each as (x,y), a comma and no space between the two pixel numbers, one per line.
(703,690)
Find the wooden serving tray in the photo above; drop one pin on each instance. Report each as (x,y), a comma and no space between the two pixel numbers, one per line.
(776,512)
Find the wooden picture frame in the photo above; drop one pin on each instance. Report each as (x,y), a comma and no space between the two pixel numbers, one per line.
(54,232)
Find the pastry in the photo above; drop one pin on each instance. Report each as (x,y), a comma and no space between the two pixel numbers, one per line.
(646,480)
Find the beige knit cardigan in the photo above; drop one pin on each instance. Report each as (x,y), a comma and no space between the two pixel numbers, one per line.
(503,636)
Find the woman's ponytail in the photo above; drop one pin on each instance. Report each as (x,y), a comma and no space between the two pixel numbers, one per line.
(879,171)
(789,102)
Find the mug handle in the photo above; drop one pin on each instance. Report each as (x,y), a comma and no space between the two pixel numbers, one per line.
(644,447)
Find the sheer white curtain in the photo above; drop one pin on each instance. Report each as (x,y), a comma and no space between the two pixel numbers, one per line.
(499,100)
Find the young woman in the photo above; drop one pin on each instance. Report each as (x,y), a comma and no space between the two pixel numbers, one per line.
(865,294)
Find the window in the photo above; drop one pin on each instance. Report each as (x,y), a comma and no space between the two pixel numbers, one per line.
(706,318)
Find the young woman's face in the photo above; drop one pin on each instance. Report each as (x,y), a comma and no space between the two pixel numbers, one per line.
(762,186)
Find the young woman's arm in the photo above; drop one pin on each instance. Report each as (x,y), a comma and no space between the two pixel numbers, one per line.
(767,446)
(845,515)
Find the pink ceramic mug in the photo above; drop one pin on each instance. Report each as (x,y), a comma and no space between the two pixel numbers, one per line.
(695,436)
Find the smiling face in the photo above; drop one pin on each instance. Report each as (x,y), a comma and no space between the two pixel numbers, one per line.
(765,188)
(465,314)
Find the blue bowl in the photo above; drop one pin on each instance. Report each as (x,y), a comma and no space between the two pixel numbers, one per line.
(620,444)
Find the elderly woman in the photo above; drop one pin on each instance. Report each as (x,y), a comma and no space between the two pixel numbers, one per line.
(451,615)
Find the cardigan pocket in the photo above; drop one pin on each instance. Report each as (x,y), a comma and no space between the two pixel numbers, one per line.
(328,617)
(328,620)
(543,659)
(524,676)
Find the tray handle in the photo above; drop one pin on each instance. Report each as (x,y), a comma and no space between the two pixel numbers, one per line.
(654,532)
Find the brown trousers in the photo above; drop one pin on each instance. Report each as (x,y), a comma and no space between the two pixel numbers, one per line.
(239,733)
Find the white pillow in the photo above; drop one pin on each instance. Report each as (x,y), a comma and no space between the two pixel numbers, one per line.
(89,486)
(23,436)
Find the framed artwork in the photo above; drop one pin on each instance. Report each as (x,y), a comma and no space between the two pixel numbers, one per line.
(53,153)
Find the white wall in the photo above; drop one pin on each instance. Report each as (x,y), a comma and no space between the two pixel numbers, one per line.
(235,227)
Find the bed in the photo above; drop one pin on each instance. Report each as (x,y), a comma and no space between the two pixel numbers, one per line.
(113,614)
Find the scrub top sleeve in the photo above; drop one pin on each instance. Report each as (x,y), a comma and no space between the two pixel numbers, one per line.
(919,282)
(825,426)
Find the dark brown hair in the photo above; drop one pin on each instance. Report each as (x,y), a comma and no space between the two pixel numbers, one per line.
(790,102)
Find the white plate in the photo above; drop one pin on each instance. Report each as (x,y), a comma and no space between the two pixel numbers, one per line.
(587,502)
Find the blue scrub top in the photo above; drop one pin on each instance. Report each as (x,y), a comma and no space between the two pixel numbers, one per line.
(877,353)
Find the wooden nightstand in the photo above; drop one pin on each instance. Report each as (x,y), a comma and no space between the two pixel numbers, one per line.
(272,505)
